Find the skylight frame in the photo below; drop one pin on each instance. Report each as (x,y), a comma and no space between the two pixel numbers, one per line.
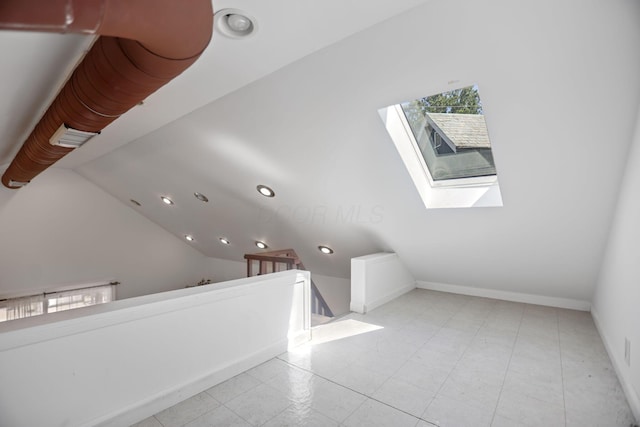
(452,182)
(481,191)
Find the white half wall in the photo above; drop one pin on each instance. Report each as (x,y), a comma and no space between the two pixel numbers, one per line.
(118,363)
(377,279)
(335,290)
(572,304)
(63,230)
(615,303)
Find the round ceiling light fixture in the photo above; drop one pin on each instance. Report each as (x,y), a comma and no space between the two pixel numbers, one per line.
(261,245)
(189,237)
(224,241)
(201,197)
(166,200)
(234,23)
(265,191)
(325,250)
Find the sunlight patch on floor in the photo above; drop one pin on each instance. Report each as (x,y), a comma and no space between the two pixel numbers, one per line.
(341,329)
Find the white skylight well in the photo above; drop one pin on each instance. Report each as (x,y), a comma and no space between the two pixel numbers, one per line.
(444,143)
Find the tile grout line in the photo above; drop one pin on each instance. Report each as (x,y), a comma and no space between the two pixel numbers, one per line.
(376,400)
(293,365)
(444,323)
(460,358)
(244,392)
(220,404)
(237,414)
(357,392)
(400,367)
(293,402)
(419,348)
(564,402)
(487,320)
(465,352)
(506,372)
(419,418)
(247,391)
(412,354)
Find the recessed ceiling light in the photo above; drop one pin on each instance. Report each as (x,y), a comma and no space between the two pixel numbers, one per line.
(189,237)
(166,200)
(261,245)
(325,250)
(135,202)
(201,197)
(224,241)
(239,22)
(265,191)
(234,23)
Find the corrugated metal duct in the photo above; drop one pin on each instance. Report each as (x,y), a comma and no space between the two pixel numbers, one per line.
(143,44)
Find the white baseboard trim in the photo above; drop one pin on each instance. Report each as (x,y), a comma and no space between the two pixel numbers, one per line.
(160,401)
(361,307)
(629,391)
(393,295)
(573,304)
(358,307)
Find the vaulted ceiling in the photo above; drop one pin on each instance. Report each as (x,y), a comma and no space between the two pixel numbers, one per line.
(295,107)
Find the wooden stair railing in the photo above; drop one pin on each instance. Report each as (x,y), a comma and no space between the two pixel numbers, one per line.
(286,259)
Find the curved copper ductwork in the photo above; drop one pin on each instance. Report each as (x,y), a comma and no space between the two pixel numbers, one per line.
(143,44)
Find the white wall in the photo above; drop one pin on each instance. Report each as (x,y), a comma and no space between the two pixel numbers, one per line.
(570,303)
(219,270)
(61,230)
(377,279)
(117,363)
(336,291)
(615,303)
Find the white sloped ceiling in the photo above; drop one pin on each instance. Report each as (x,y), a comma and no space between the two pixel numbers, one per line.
(560,90)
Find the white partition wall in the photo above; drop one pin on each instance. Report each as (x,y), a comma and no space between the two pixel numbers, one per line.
(377,279)
(87,236)
(615,302)
(115,364)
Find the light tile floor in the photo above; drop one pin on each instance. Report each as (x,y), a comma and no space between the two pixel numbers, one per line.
(424,359)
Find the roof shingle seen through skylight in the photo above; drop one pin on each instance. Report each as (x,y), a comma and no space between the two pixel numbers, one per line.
(451,132)
(444,143)
(464,130)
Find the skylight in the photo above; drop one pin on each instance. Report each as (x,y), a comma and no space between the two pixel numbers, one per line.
(444,143)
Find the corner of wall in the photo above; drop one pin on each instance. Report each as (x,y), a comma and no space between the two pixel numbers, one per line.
(615,298)
(377,279)
(572,304)
(629,390)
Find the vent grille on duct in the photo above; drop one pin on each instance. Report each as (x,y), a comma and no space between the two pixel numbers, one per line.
(137,53)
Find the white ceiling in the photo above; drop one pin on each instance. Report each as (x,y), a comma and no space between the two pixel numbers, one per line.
(295,108)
